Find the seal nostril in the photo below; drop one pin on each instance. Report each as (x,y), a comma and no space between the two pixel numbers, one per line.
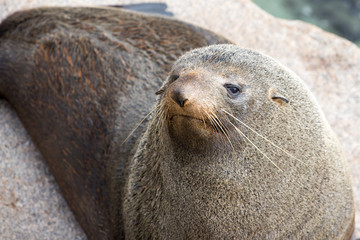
(179,97)
(181,102)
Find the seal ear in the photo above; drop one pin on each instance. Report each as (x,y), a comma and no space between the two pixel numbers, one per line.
(160,91)
(277,97)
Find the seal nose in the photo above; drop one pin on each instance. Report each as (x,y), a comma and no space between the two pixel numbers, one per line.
(178,97)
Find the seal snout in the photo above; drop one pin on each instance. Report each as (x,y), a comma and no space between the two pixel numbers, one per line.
(188,109)
(185,91)
(178,96)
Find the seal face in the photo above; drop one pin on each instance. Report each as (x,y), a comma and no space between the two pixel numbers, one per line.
(237,147)
(191,113)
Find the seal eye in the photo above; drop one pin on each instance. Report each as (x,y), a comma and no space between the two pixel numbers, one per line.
(232,89)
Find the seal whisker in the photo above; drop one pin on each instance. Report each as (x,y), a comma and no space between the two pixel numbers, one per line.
(257,148)
(212,122)
(222,127)
(218,124)
(159,118)
(214,125)
(251,129)
(225,117)
(165,110)
(160,115)
(221,122)
(137,126)
(202,117)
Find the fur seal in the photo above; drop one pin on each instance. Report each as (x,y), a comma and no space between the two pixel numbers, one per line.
(235,147)
(80,79)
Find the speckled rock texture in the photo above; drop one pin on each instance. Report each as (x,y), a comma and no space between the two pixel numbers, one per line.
(31,206)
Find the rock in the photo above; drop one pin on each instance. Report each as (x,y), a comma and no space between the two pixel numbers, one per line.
(31,206)
(30,202)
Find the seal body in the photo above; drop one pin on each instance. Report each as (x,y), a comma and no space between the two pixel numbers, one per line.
(235,146)
(237,149)
(81,79)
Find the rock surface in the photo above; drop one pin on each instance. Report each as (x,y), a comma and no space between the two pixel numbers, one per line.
(31,206)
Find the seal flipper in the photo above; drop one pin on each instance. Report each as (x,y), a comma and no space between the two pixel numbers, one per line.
(37,79)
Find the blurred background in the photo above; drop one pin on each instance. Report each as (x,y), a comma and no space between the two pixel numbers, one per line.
(341,17)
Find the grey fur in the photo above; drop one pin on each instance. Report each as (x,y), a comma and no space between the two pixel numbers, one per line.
(219,193)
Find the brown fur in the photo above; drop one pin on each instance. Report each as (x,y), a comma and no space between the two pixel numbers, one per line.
(80,80)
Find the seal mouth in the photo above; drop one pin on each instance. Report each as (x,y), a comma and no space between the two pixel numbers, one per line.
(206,123)
(186,116)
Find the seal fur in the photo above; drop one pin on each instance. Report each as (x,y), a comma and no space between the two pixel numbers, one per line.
(193,175)
(80,79)
(191,180)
